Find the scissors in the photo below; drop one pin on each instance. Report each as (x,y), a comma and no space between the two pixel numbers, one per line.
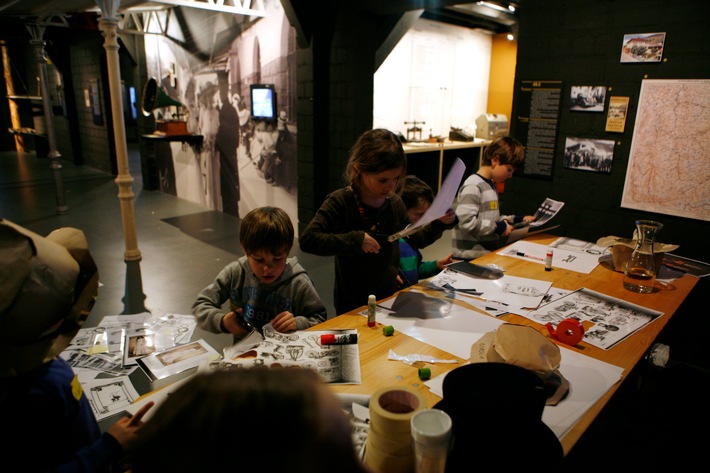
(471,292)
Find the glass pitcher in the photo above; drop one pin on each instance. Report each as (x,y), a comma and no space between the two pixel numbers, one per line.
(640,273)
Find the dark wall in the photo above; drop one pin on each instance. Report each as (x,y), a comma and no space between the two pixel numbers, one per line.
(579,43)
(335,98)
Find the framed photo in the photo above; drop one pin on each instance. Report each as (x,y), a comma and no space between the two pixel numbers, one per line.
(616,114)
(589,155)
(645,47)
(584,98)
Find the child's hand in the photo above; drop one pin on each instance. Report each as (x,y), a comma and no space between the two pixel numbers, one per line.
(443,262)
(124,430)
(398,283)
(231,324)
(370,245)
(448,218)
(529,218)
(285,322)
(508,228)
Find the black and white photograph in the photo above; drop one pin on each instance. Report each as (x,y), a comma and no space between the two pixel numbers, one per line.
(587,98)
(247,158)
(586,154)
(646,47)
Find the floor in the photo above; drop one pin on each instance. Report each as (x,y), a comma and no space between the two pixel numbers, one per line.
(650,424)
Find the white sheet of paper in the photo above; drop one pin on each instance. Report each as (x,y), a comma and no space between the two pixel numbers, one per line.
(589,379)
(109,396)
(456,332)
(442,202)
(580,258)
(511,290)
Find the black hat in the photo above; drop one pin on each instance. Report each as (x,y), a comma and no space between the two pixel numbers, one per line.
(496,410)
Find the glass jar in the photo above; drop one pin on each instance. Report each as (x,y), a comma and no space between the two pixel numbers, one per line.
(640,272)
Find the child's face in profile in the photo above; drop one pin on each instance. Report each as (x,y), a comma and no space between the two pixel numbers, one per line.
(501,172)
(416,212)
(267,266)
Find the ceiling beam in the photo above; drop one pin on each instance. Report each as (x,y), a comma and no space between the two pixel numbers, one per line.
(236,7)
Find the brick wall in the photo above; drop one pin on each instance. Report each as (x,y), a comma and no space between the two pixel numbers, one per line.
(87,56)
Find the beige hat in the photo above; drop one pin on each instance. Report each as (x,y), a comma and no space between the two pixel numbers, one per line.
(48,286)
(524,346)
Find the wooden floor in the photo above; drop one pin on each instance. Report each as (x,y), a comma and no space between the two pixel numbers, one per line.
(647,426)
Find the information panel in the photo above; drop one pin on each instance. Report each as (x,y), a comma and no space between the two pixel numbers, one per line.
(538,117)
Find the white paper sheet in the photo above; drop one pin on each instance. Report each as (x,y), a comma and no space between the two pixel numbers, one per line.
(574,255)
(511,290)
(442,202)
(460,328)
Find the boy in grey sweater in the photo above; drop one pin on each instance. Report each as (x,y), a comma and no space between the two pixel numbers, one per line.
(263,286)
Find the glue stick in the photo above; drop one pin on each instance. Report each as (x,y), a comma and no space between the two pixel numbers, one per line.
(548,260)
(371,311)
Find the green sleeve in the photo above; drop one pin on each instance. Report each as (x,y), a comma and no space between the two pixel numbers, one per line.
(428,269)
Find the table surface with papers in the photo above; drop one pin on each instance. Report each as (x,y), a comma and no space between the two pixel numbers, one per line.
(378,371)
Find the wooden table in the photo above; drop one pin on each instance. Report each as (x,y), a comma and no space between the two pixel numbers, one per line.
(379,372)
(627,353)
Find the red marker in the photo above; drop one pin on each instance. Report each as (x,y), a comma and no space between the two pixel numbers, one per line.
(332,339)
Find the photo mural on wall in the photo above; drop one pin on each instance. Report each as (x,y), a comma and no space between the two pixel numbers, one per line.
(243,162)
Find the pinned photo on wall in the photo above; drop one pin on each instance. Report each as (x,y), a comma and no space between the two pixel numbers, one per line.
(585,98)
(645,47)
(616,115)
(589,155)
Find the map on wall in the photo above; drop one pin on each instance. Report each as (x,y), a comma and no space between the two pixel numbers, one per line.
(668,170)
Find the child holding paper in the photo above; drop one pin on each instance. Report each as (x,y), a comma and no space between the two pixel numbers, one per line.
(481,226)
(354,222)
(417,196)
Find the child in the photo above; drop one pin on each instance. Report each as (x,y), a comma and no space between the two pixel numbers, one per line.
(480,226)
(354,222)
(292,422)
(417,196)
(48,286)
(262,286)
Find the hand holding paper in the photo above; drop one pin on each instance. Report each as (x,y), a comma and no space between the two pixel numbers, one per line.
(442,202)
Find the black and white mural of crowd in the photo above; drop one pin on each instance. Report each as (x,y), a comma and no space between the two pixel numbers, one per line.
(241,163)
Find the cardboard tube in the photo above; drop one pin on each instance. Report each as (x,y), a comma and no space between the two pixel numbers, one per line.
(389,442)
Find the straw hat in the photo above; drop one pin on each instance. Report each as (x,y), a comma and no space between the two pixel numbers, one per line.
(48,286)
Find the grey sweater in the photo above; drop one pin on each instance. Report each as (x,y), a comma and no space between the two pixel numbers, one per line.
(293,291)
(480,222)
